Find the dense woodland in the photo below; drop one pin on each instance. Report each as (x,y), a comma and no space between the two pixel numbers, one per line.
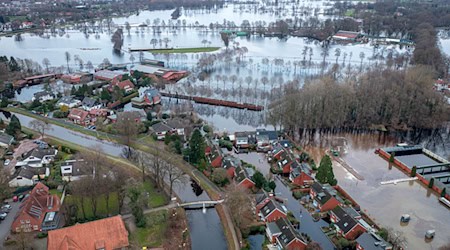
(397,100)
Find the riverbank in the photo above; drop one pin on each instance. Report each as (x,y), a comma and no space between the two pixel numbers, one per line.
(184,50)
(212,190)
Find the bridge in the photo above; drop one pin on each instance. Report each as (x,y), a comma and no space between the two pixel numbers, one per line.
(199,205)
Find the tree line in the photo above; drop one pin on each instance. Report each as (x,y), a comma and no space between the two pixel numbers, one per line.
(397,100)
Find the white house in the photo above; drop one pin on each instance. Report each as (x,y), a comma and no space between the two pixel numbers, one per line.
(73,170)
(89,103)
(43,96)
(38,157)
(69,101)
(160,129)
(27,176)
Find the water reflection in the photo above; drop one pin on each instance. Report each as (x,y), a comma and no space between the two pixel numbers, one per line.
(196,188)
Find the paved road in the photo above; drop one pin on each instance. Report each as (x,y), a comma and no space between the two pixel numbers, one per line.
(5,225)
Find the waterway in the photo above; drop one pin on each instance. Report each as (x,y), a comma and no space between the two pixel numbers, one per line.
(205,229)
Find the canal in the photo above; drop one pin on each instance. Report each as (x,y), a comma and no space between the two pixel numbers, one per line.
(205,229)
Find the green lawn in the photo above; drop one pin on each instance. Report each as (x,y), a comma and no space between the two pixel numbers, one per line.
(54,191)
(101,205)
(157,198)
(153,234)
(185,50)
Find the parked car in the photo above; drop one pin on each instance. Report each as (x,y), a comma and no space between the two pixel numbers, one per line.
(3,216)
(7,206)
(15,199)
(4,210)
(21,197)
(6,163)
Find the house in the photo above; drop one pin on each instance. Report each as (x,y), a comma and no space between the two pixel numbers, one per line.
(244,177)
(345,224)
(353,213)
(38,157)
(261,199)
(5,140)
(69,101)
(89,103)
(271,135)
(77,78)
(177,127)
(108,75)
(160,129)
(285,162)
(94,114)
(244,139)
(230,163)
(287,237)
(213,155)
(371,241)
(38,212)
(127,86)
(43,96)
(73,170)
(277,152)
(272,211)
(107,234)
(147,97)
(272,231)
(346,36)
(174,76)
(324,197)
(300,174)
(27,176)
(79,116)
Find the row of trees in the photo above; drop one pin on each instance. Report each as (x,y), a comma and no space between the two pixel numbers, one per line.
(397,99)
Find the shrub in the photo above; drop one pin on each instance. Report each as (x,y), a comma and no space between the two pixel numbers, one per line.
(42,235)
(207,129)
(226,144)
(298,194)
(60,114)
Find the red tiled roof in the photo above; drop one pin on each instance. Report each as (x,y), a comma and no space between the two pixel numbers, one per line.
(108,234)
(123,84)
(78,114)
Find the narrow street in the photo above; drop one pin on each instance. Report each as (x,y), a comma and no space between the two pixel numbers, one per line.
(5,225)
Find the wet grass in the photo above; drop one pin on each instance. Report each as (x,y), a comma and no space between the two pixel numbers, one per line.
(184,50)
(153,234)
(156,197)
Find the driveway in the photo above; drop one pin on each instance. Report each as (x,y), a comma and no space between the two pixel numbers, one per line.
(5,225)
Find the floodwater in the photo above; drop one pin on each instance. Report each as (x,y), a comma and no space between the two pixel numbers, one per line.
(386,203)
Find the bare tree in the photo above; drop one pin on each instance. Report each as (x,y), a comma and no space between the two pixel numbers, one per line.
(238,200)
(174,175)
(127,127)
(396,238)
(5,190)
(40,126)
(46,63)
(67,56)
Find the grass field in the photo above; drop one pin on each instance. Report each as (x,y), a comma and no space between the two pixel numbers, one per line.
(156,198)
(153,234)
(185,50)
(101,206)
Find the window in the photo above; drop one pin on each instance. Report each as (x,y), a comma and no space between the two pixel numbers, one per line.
(19,178)
(28,221)
(35,227)
(21,221)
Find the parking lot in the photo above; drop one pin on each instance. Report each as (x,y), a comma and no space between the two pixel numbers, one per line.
(5,225)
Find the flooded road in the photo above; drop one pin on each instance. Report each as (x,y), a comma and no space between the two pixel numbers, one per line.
(386,203)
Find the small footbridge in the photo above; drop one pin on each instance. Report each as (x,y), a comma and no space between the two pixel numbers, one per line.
(194,205)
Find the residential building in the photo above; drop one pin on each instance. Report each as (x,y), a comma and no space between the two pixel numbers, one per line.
(261,199)
(346,36)
(243,177)
(147,97)
(69,101)
(345,224)
(277,152)
(27,176)
(287,237)
(73,170)
(77,78)
(285,162)
(89,103)
(43,96)
(300,174)
(272,231)
(230,163)
(178,127)
(324,197)
(108,75)
(160,129)
(107,234)
(38,157)
(371,241)
(244,139)
(79,116)
(127,86)
(39,211)
(5,140)
(272,211)
(213,154)
(353,213)
(270,135)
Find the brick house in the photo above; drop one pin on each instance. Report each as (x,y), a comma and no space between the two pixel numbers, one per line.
(324,197)
(126,86)
(277,151)
(38,212)
(230,163)
(345,224)
(79,116)
(300,174)
(272,211)
(244,177)
(283,234)
(285,162)
(213,155)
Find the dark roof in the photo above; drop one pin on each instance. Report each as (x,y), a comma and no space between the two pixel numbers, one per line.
(176,123)
(271,206)
(40,94)
(89,102)
(371,241)
(277,149)
(67,99)
(5,138)
(286,143)
(29,172)
(160,127)
(271,134)
(323,192)
(288,232)
(241,174)
(79,167)
(345,221)
(260,196)
(230,162)
(352,212)
(40,152)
